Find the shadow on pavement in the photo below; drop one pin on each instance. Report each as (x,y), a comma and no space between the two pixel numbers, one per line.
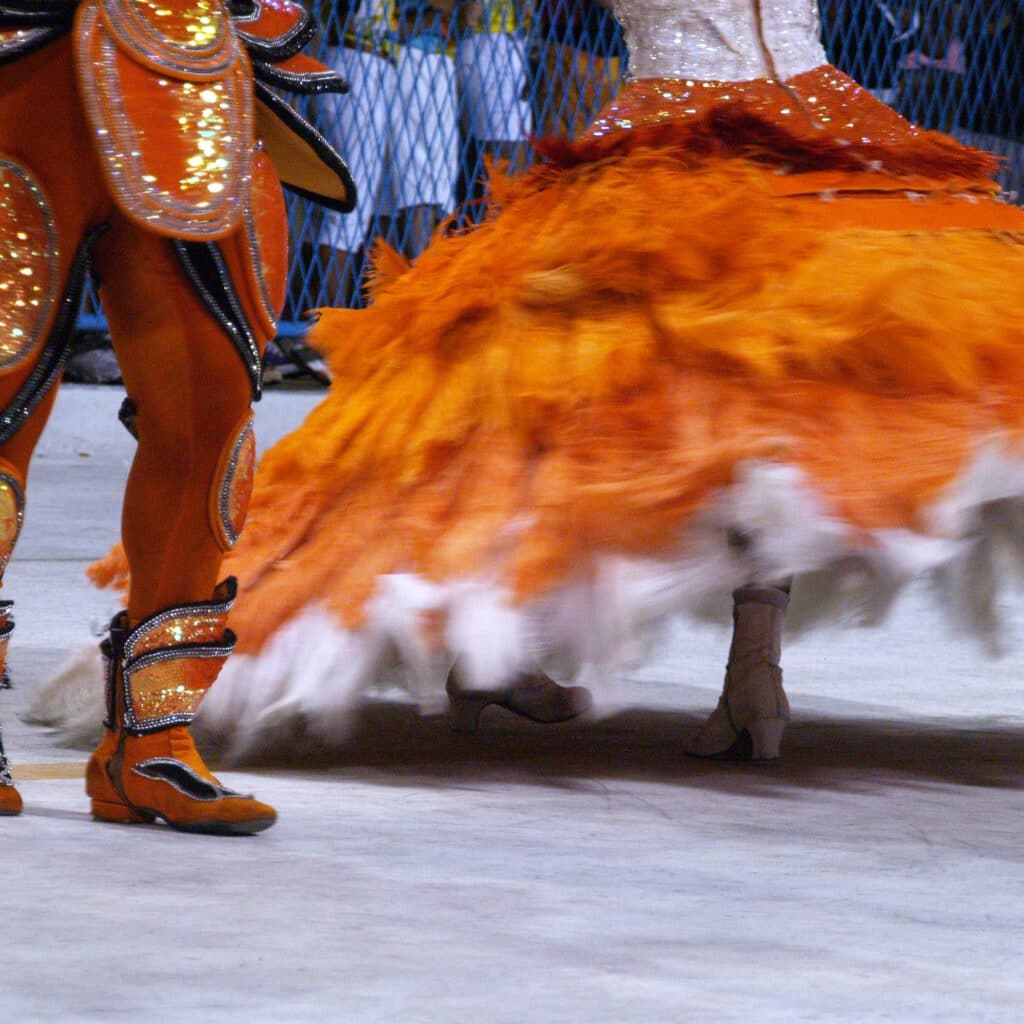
(392,742)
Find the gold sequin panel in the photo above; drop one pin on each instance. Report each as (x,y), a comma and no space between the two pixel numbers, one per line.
(200,623)
(11,513)
(188,37)
(176,153)
(28,264)
(194,626)
(169,688)
(235,490)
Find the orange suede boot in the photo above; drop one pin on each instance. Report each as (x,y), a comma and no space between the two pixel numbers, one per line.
(147,766)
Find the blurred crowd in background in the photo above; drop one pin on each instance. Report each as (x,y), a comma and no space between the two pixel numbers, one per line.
(441,87)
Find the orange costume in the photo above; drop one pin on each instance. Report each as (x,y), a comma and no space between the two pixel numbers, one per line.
(144,138)
(752,326)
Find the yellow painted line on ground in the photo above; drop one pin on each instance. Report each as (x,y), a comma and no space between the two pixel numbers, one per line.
(58,770)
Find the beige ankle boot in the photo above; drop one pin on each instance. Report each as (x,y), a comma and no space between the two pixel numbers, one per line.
(753,710)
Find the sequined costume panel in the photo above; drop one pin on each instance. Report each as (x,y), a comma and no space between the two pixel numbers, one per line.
(172,658)
(167,688)
(817,121)
(186,38)
(176,152)
(198,624)
(28,264)
(720,39)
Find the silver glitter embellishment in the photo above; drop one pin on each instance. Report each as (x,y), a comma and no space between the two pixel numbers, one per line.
(28,263)
(723,40)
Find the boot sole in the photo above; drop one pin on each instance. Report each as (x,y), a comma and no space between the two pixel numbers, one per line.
(225,828)
(122,814)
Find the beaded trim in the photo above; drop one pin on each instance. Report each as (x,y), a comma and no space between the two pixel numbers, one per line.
(256,257)
(142,38)
(225,309)
(228,488)
(310,83)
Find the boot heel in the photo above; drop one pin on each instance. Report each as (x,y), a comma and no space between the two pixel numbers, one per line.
(464,711)
(122,814)
(766,738)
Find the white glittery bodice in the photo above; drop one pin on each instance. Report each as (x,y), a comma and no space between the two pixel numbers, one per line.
(730,40)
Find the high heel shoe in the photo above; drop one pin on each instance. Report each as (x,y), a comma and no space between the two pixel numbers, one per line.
(535,696)
(753,710)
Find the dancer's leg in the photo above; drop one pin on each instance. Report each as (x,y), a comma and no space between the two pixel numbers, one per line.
(184,502)
(48,206)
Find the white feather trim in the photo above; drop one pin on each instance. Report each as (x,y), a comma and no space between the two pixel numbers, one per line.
(768,526)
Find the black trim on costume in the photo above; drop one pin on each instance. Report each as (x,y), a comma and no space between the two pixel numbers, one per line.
(6,779)
(30,13)
(204,264)
(50,363)
(127,416)
(6,630)
(183,779)
(36,37)
(112,649)
(309,84)
(285,45)
(246,10)
(297,124)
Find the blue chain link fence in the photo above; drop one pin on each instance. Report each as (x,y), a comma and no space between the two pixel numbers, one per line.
(438,88)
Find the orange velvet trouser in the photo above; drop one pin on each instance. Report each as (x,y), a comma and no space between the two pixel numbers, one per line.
(189,385)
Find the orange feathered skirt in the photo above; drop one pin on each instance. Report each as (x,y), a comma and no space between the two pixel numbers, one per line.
(736,332)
